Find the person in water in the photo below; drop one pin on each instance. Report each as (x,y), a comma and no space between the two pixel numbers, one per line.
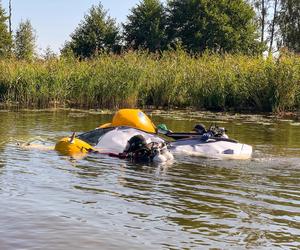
(138,149)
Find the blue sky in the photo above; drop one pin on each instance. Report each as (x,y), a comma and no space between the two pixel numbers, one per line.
(55,20)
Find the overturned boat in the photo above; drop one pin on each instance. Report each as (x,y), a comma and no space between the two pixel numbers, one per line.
(131,134)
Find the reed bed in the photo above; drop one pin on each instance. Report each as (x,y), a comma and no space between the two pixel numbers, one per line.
(138,79)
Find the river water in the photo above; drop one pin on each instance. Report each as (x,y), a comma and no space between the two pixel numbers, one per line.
(50,201)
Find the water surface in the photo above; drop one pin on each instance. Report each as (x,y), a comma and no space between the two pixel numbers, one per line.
(50,201)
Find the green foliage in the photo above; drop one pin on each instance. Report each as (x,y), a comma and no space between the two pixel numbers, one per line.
(5,37)
(95,34)
(220,25)
(289,20)
(25,41)
(175,79)
(213,82)
(146,26)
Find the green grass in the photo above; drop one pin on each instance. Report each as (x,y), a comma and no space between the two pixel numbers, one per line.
(138,79)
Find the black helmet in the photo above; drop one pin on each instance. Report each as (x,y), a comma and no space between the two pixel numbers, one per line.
(135,143)
(200,128)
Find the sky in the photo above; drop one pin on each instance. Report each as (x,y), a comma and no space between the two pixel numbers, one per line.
(55,20)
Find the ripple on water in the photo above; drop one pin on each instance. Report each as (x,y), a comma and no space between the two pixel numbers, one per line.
(55,202)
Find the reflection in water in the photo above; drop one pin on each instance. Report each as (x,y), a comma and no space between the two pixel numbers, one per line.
(54,202)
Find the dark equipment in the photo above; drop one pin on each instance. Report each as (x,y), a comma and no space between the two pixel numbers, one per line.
(137,149)
(214,132)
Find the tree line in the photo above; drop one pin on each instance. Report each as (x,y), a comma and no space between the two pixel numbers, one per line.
(21,44)
(221,26)
(278,23)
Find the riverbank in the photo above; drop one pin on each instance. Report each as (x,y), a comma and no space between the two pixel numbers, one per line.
(137,79)
(176,114)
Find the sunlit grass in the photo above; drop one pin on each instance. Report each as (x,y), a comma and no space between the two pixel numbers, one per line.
(173,79)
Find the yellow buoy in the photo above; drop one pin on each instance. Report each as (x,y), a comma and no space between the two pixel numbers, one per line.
(72,146)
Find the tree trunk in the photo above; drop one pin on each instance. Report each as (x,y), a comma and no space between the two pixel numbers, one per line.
(263,17)
(273,26)
(9,18)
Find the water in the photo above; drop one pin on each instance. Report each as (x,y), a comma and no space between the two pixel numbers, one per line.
(50,201)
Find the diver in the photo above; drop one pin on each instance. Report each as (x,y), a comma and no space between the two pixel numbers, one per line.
(138,149)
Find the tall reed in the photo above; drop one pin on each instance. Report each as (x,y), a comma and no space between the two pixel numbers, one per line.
(171,79)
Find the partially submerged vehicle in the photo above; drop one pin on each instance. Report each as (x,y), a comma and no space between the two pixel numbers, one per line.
(132,135)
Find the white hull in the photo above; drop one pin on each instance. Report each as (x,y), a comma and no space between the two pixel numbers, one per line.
(115,141)
(212,149)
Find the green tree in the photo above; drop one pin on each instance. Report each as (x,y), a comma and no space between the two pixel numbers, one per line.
(25,41)
(95,34)
(146,26)
(219,25)
(289,21)
(5,37)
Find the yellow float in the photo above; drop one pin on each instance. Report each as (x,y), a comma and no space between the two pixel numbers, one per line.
(72,146)
(134,118)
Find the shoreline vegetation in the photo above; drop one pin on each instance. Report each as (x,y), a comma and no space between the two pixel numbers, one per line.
(175,55)
(173,79)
